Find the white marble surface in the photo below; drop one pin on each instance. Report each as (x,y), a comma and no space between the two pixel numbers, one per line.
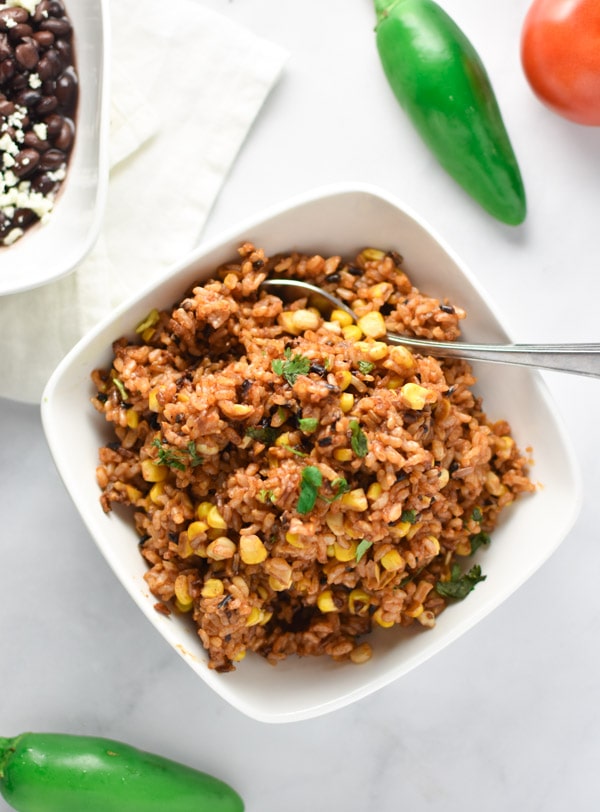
(507,717)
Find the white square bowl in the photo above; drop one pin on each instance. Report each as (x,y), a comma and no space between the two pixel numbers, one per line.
(51,250)
(337,220)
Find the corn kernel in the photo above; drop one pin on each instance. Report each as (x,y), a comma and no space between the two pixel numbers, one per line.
(361,654)
(202,509)
(239,655)
(254,617)
(343,379)
(252,549)
(277,585)
(378,351)
(265,617)
(371,255)
(286,320)
(463,548)
(346,401)
(335,522)
(235,410)
(230,281)
(434,544)
(415,395)
(343,454)
(341,317)
(295,540)
(213,588)
(394,383)
(151,472)
(358,602)
(153,403)
(414,610)
(184,548)
(444,478)
(378,618)
(493,484)
(147,334)
(374,491)
(184,607)
(283,439)
(132,418)
(305,320)
(402,356)
(427,619)
(214,518)
(355,500)
(221,549)
(401,529)
(196,529)
(414,529)
(352,332)
(133,494)
(182,590)
(325,602)
(345,553)
(372,324)
(392,561)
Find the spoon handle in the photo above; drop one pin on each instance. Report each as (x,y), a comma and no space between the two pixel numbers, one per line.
(579,359)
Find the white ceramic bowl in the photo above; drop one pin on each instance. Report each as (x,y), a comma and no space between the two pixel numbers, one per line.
(338,220)
(53,249)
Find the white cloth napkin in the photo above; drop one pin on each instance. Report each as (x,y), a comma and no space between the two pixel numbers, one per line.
(186,85)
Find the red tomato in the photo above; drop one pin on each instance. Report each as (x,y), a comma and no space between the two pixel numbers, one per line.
(560,53)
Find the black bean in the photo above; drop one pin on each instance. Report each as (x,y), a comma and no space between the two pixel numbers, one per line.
(45,39)
(26,162)
(66,135)
(59,27)
(27,54)
(7,70)
(19,32)
(54,123)
(47,105)
(52,159)
(32,140)
(66,87)
(49,65)
(7,108)
(43,184)
(5,47)
(28,98)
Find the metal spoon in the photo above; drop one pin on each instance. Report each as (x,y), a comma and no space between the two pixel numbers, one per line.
(580,359)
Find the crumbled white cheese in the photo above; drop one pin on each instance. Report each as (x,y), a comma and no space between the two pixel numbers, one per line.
(29,5)
(41,130)
(13,236)
(10,23)
(7,160)
(59,174)
(34,81)
(7,145)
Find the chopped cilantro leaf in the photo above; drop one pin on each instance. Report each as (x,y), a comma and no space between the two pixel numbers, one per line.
(308,424)
(362,548)
(266,495)
(166,456)
(478,540)
(262,434)
(409,516)
(340,486)
(291,367)
(120,386)
(459,586)
(365,367)
(358,441)
(195,458)
(176,459)
(310,482)
(477,515)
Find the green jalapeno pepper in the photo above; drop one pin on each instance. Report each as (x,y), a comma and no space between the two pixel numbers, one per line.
(55,772)
(440,81)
